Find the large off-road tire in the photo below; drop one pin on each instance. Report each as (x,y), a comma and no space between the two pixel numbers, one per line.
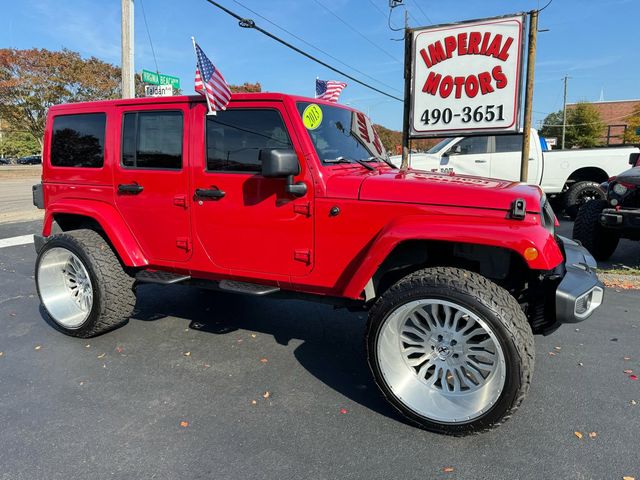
(587,229)
(451,350)
(579,194)
(82,285)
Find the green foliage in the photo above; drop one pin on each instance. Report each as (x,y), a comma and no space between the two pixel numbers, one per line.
(18,144)
(634,123)
(246,87)
(584,127)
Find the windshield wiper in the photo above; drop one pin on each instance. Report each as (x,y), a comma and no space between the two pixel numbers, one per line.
(385,160)
(347,160)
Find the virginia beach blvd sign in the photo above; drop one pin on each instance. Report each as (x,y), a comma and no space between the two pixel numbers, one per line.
(160,79)
(466,77)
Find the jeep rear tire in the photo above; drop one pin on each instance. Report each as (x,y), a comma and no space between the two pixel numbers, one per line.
(82,285)
(579,194)
(587,229)
(451,350)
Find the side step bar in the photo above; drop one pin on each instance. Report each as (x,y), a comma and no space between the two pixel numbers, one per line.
(161,277)
(244,287)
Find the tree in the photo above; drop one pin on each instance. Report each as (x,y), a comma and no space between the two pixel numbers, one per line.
(33,80)
(246,87)
(630,135)
(584,126)
(18,144)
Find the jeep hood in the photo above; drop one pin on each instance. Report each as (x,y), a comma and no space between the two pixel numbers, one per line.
(442,189)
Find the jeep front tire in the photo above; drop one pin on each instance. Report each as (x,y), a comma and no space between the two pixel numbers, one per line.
(451,350)
(82,285)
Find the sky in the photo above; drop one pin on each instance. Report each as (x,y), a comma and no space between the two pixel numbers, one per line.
(592,41)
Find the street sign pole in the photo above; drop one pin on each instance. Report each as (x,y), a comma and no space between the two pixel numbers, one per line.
(407,92)
(528,99)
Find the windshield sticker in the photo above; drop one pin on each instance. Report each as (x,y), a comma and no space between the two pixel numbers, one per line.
(312,116)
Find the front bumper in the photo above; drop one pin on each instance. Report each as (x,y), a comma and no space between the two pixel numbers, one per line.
(579,292)
(623,219)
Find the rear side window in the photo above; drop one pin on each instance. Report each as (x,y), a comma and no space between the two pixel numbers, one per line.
(508,143)
(152,140)
(235,138)
(78,140)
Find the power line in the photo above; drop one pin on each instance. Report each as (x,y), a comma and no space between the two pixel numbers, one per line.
(422,11)
(357,31)
(315,47)
(248,23)
(153,52)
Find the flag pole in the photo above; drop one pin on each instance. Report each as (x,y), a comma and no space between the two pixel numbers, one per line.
(210,111)
(315,94)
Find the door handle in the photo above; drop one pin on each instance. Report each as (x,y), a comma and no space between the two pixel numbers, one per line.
(481,161)
(213,193)
(130,188)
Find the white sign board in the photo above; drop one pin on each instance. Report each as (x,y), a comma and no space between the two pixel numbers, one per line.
(466,77)
(158,90)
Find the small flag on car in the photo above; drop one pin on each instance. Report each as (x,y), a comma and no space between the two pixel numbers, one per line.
(210,83)
(329,89)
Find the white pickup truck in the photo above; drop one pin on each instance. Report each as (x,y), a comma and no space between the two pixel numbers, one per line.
(574,174)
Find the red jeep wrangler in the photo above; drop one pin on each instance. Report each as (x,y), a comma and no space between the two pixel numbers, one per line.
(289,196)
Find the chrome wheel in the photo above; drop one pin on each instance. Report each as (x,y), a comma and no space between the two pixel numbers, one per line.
(442,361)
(65,287)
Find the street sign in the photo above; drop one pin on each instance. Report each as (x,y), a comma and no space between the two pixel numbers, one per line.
(160,79)
(466,77)
(158,90)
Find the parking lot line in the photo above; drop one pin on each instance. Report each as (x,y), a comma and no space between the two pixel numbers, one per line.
(13,241)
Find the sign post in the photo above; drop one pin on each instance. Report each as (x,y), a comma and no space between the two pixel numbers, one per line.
(463,78)
(528,99)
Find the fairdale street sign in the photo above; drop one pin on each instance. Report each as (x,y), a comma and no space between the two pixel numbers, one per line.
(160,79)
(158,90)
(466,77)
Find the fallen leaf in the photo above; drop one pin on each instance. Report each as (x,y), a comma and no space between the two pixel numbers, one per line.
(580,364)
(184,424)
(1,354)
(119,349)
(626,358)
(577,329)
(633,377)
(38,347)
(558,348)
(101,355)
(87,345)
(343,411)
(633,402)
(240,340)
(12,314)
(206,365)
(187,354)
(628,478)
(593,434)
(81,383)
(266,395)
(447,469)
(264,360)
(253,402)
(578,434)
(552,353)
(628,371)
(253,335)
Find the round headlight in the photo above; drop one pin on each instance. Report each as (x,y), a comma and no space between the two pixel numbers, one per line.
(619,189)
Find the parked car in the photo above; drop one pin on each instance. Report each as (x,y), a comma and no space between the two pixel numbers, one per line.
(30,160)
(291,197)
(6,161)
(574,175)
(602,223)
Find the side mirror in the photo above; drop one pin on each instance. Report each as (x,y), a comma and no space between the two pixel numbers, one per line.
(455,150)
(633,159)
(282,163)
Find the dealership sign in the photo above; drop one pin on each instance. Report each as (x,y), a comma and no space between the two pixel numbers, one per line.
(466,77)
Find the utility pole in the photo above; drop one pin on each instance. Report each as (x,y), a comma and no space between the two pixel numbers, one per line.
(407,92)
(564,112)
(528,99)
(128,75)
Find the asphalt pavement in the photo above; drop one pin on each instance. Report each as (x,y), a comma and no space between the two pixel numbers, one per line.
(203,385)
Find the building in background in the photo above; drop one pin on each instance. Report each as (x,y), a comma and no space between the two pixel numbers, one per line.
(615,116)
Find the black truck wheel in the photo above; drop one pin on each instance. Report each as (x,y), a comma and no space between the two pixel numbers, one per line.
(451,350)
(580,193)
(587,229)
(82,285)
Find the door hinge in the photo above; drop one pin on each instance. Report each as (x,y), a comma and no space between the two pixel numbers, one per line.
(180,201)
(302,208)
(303,256)
(183,243)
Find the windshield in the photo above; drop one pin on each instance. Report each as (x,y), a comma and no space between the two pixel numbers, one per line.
(439,146)
(338,133)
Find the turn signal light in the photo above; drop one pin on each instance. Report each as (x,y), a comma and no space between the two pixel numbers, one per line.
(531,253)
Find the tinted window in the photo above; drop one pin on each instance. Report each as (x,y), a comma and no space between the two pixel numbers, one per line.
(152,140)
(235,138)
(473,145)
(78,140)
(508,143)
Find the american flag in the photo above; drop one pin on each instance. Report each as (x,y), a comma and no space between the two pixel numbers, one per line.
(329,89)
(210,82)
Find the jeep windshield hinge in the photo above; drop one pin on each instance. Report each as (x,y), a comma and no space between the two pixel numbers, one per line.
(518,209)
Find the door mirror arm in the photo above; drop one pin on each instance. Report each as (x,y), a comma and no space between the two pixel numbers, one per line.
(297,189)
